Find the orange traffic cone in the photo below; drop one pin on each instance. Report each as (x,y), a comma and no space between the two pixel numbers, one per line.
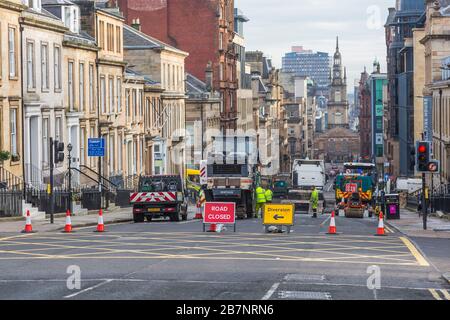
(198,214)
(28,227)
(100,225)
(212,227)
(332,228)
(380,229)
(68,227)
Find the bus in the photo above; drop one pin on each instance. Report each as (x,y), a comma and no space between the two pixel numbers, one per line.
(357,177)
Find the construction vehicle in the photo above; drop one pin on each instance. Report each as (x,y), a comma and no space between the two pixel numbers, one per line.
(307,174)
(357,177)
(159,196)
(355,208)
(280,185)
(232,174)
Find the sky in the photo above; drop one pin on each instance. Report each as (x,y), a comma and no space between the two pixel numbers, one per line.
(276,26)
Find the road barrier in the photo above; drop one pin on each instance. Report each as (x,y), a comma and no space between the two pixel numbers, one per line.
(219,213)
(68,226)
(278,215)
(332,227)
(28,226)
(101,224)
(380,229)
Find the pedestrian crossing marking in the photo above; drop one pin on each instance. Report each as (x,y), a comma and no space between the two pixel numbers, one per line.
(437,296)
(445,293)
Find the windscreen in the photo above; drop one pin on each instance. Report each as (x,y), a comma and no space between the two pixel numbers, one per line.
(161,184)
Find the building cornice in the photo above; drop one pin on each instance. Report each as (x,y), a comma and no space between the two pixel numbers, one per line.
(434,37)
(112,62)
(78,45)
(5,4)
(33,21)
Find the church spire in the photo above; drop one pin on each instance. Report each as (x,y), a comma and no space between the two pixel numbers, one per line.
(337,43)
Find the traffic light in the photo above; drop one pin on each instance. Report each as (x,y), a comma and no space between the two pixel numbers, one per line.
(59,151)
(423,156)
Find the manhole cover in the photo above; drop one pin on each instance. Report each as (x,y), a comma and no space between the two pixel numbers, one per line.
(304,295)
(304,277)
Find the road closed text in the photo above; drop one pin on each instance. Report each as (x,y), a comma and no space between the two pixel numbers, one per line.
(220,212)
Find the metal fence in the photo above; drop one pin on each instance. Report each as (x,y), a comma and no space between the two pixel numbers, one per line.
(441,203)
(11,203)
(91,199)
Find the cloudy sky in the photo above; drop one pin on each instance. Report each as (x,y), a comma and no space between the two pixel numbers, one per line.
(275,26)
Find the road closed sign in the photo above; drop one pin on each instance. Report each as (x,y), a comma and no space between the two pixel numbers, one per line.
(220,213)
(279,214)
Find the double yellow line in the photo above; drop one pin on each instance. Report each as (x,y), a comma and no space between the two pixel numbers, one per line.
(437,296)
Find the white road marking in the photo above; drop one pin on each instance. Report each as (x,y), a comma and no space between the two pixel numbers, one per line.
(271,291)
(88,289)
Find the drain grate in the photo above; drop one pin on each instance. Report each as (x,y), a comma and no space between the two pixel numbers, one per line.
(304,277)
(304,295)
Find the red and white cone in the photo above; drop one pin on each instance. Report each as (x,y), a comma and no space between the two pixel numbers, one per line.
(212,227)
(198,214)
(100,225)
(380,229)
(28,226)
(332,228)
(68,227)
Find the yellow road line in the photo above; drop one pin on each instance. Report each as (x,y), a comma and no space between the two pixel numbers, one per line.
(188,257)
(435,294)
(419,257)
(445,293)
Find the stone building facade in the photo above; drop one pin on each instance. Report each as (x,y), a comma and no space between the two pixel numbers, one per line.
(437,83)
(44,104)
(205,29)
(11,126)
(338,145)
(163,64)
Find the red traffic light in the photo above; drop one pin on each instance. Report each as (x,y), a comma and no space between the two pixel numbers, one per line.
(422,148)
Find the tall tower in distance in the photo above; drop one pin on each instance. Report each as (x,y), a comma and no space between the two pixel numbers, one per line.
(338,104)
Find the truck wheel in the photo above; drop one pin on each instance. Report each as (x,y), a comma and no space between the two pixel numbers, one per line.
(175,217)
(149,218)
(184,217)
(138,218)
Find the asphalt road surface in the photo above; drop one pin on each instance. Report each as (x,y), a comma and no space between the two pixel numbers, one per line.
(164,260)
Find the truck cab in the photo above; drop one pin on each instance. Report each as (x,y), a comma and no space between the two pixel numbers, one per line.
(307,174)
(231,175)
(159,196)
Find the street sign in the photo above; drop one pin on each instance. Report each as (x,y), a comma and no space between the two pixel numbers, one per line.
(96,147)
(351,187)
(220,213)
(203,172)
(278,214)
(433,166)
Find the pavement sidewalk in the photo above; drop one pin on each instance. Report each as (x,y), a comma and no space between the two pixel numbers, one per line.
(412,225)
(116,215)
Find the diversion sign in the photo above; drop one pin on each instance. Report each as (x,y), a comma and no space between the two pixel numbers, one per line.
(278,214)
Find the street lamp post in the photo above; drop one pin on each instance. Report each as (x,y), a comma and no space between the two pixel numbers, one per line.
(69,148)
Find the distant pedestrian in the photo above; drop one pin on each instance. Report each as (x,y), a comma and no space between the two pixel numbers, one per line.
(260,200)
(269,195)
(314,201)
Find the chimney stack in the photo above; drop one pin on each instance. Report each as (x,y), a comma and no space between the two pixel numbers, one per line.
(209,77)
(136,24)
